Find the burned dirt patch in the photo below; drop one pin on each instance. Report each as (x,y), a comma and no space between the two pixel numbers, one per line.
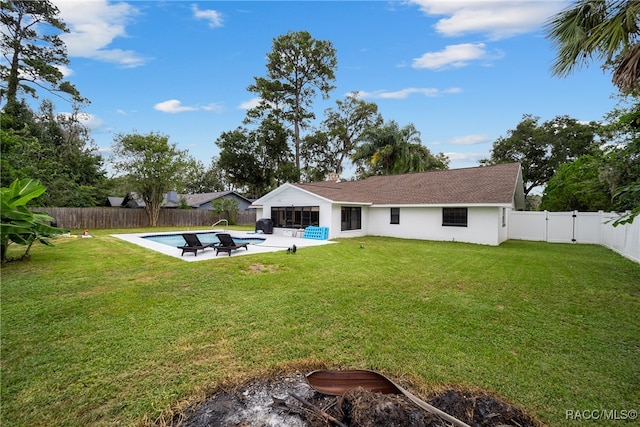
(289,401)
(261,268)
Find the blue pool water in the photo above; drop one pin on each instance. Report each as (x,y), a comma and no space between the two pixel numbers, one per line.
(177,239)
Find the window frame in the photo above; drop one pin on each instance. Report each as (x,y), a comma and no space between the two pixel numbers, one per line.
(455,217)
(295,216)
(395,216)
(350,218)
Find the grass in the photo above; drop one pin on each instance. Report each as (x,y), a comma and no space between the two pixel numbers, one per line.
(100,332)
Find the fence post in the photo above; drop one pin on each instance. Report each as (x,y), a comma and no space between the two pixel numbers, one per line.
(546,226)
(601,229)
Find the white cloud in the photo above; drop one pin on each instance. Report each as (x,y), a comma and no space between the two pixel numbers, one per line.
(66,71)
(405,93)
(456,56)
(93,26)
(252,103)
(89,121)
(469,139)
(172,106)
(467,156)
(214,106)
(214,17)
(495,19)
(105,150)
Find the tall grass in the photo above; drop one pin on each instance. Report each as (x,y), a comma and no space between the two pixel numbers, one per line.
(102,332)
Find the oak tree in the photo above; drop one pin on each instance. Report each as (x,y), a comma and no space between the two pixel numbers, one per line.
(577,186)
(326,150)
(542,148)
(152,165)
(258,160)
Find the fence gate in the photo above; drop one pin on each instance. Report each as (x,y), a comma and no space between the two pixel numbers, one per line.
(561,227)
(556,227)
(577,227)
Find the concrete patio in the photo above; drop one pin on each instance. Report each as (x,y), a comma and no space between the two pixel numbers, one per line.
(273,243)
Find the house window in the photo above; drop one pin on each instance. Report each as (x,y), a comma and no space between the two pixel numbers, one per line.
(454,217)
(350,218)
(295,216)
(395,216)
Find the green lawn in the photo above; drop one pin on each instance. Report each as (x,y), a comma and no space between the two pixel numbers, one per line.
(102,332)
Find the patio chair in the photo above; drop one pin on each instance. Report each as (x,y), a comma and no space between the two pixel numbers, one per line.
(227,244)
(194,244)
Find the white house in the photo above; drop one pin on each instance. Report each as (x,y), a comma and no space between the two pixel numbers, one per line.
(464,205)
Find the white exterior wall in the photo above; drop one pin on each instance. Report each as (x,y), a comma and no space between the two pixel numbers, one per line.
(484,222)
(484,225)
(294,197)
(503,230)
(336,222)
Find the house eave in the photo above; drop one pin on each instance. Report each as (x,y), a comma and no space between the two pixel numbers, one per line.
(442,205)
(351,203)
(261,201)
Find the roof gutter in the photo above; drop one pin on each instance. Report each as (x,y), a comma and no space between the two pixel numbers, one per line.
(444,205)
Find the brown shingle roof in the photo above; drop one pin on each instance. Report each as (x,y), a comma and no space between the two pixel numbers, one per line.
(476,185)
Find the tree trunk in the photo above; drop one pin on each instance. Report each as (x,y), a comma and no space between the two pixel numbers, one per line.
(153,212)
(296,136)
(26,255)
(14,79)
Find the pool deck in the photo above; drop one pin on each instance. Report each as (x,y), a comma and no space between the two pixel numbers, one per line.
(273,243)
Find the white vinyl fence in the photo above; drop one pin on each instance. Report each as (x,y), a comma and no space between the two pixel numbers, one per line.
(577,227)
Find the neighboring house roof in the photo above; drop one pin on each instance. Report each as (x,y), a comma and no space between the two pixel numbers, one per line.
(115,201)
(173,200)
(131,200)
(196,200)
(498,184)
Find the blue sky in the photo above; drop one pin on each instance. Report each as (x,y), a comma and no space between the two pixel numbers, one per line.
(463,72)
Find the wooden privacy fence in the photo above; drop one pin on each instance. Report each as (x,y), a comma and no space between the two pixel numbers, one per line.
(92,218)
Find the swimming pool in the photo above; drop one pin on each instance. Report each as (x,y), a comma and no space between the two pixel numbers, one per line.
(207,237)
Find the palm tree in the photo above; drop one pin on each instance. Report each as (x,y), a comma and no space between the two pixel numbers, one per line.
(421,160)
(382,149)
(606,30)
(391,150)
